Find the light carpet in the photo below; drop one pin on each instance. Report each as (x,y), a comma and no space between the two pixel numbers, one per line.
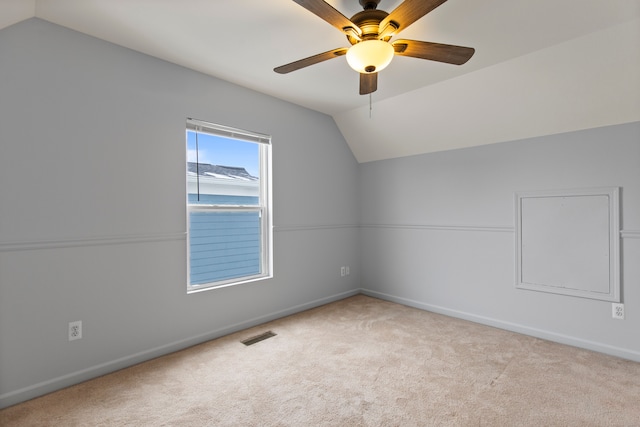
(356,362)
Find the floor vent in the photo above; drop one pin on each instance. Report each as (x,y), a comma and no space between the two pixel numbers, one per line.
(258,338)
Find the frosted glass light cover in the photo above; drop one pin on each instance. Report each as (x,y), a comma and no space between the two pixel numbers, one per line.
(370,56)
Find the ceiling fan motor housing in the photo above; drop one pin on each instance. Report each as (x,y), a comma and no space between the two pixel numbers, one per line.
(369,22)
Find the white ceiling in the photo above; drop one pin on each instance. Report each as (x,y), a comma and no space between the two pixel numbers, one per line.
(541,67)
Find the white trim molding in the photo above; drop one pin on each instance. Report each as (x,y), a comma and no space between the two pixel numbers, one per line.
(53,384)
(630,234)
(446,227)
(311,227)
(624,234)
(624,353)
(30,245)
(559,229)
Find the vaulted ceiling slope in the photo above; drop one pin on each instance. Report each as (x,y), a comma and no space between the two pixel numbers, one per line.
(541,67)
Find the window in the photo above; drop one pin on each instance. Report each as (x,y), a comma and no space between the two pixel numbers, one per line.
(228,206)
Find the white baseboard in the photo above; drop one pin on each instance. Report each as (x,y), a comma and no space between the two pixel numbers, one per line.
(39,389)
(44,387)
(513,327)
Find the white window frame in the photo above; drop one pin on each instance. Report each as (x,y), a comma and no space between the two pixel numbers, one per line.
(264,208)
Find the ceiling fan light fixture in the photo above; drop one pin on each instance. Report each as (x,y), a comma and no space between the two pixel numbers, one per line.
(370,56)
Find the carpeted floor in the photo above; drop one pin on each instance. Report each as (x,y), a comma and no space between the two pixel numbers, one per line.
(356,362)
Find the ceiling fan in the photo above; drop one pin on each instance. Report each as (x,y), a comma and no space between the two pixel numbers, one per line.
(370,32)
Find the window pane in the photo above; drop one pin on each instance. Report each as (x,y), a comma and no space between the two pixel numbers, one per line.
(222,171)
(224,245)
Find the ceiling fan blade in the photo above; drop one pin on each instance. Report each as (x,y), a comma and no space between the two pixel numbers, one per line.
(296,65)
(368,83)
(406,14)
(327,12)
(450,54)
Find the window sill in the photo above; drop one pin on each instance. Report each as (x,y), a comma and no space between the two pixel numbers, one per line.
(212,286)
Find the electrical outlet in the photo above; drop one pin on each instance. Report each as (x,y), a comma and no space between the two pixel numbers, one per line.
(617,311)
(347,270)
(343,271)
(75,330)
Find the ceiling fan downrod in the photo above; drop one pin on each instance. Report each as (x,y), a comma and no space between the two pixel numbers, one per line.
(369,4)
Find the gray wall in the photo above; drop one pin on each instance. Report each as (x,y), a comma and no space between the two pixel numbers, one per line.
(92,216)
(438,233)
(92,208)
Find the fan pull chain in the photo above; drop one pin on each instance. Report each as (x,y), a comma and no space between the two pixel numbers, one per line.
(370,106)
